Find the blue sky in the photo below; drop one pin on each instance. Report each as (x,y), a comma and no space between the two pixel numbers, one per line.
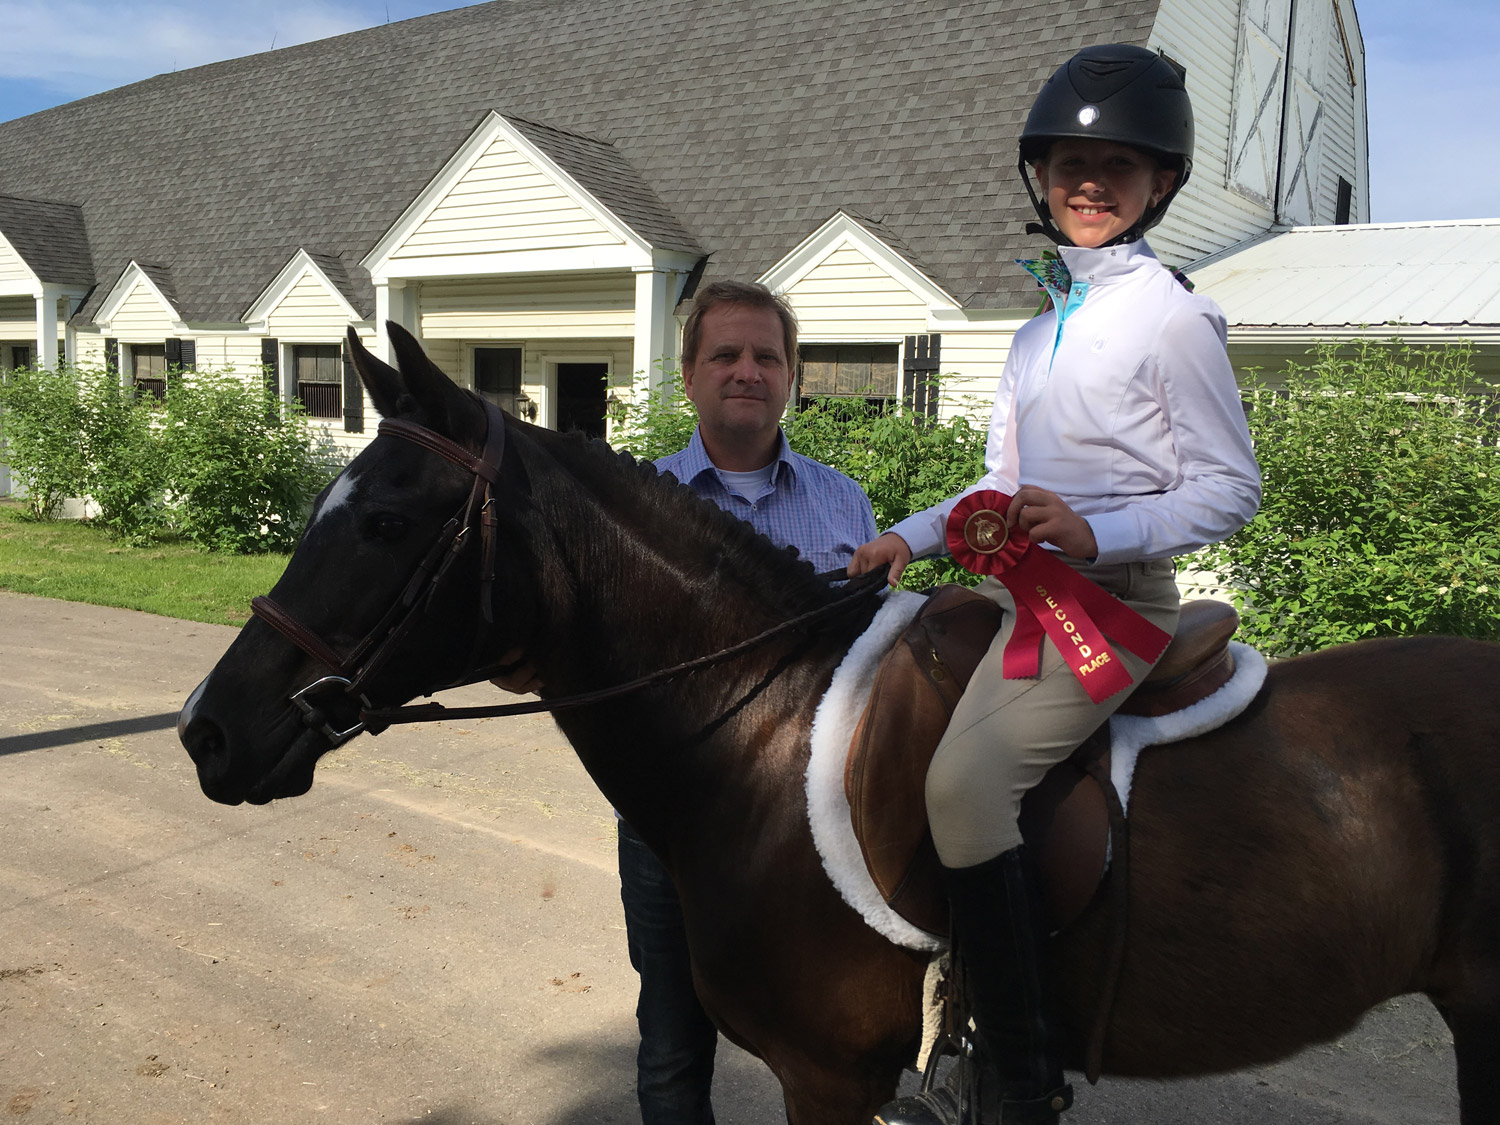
(1432,68)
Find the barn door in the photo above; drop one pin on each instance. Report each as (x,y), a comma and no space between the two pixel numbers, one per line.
(1302,141)
(1259,93)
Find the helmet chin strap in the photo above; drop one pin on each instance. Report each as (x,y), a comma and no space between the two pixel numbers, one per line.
(1048,228)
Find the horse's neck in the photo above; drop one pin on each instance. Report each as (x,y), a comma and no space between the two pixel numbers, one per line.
(643,574)
(652,577)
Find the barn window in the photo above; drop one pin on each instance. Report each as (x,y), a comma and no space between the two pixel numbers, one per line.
(148,369)
(320,379)
(1345,203)
(863,372)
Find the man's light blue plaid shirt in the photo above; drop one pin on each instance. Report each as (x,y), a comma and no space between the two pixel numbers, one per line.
(806,505)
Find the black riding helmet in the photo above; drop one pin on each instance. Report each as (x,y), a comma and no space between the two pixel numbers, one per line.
(1113,92)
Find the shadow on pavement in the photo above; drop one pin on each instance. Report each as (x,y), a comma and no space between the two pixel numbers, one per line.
(89,732)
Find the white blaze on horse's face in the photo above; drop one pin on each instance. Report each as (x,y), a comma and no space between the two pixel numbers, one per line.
(340,492)
(190,708)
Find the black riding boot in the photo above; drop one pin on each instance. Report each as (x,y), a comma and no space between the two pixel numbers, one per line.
(1014,1076)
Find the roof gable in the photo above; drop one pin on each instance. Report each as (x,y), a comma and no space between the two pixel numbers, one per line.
(320,269)
(846,230)
(521,197)
(136,281)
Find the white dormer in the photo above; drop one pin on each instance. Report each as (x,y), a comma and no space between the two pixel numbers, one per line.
(302,301)
(138,307)
(501,205)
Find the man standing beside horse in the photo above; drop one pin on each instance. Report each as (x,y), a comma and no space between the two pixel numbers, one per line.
(739,350)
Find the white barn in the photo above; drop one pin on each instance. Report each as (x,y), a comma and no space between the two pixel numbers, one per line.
(535,189)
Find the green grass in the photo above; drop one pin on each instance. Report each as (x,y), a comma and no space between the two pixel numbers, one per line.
(74,562)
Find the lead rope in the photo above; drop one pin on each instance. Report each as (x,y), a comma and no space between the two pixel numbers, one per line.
(856,593)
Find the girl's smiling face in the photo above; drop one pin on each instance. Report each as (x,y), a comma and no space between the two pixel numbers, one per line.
(1098,190)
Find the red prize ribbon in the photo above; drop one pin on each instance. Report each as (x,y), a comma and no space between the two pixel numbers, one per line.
(1052,599)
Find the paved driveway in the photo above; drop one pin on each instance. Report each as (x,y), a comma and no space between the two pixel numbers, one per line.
(432,934)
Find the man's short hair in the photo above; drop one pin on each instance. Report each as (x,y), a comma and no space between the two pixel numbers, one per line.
(750,293)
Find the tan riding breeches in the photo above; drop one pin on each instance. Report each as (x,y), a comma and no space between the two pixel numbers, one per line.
(1006,734)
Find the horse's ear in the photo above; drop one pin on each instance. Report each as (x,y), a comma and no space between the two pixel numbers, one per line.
(381,380)
(448,408)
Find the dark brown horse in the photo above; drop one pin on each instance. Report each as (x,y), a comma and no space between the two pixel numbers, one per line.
(1336,845)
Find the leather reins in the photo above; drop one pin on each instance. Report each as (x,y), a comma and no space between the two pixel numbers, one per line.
(350,673)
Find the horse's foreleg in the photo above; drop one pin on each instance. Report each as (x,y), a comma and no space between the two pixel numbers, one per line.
(816,1096)
(1476,1046)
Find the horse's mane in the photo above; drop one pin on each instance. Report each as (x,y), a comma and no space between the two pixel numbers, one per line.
(779,574)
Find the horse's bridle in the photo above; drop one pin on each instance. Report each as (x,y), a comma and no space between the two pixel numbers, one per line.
(353,671)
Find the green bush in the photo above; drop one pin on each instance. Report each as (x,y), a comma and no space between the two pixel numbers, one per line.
(904,461)
(218,462)
(126,474)
(243,467)
(41,416)
(1381,509)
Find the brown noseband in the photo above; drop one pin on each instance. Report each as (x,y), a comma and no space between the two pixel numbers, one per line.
(352,672)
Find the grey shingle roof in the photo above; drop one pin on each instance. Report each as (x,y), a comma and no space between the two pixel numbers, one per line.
(51,239)
(736,126)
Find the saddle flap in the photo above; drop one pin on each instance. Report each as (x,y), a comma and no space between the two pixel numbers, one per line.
(1065,820)
(917,685)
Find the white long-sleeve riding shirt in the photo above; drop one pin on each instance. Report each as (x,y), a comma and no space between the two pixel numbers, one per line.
(1121,400)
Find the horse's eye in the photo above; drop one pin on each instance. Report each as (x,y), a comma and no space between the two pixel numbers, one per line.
(390,529)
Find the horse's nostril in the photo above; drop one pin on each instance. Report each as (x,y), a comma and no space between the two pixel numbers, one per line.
(206,746)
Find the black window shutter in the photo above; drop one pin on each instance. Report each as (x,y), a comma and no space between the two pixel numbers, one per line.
(919,373)
(270,362)
(173,362)
(354,396)
(112,356)
(189,349)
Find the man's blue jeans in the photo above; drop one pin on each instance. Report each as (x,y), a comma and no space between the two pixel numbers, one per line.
(675,1063)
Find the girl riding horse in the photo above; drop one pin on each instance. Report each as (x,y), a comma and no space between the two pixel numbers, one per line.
(1118,439)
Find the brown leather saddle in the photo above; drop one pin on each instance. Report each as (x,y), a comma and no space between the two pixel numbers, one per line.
(1066,820)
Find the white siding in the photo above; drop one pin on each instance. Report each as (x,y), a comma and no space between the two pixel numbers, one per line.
(1207,215)
(1344,132)
(309,312)
(142,317)
(240,354)
(972,359)
(18,318)
(12,267)
(504,203)
(89,349)
(1228,198)
(540,356)
(585,306)
(849,297)
(449,356)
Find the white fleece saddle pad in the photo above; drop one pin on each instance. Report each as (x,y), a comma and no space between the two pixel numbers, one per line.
(839,713)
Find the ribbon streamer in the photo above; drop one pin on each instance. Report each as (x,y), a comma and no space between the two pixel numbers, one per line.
(1052,599)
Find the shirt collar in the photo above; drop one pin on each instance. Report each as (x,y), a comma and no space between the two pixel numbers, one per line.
(1106,263)
(695,460)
